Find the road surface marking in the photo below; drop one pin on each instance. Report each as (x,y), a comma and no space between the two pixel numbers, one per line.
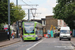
(35,44)
(65,47)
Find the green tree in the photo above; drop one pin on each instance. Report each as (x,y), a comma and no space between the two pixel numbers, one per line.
(3,11)
(16,13)
(65,10)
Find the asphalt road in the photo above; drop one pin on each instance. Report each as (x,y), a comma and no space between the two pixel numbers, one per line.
(53,44)
(19,46)
(44,44)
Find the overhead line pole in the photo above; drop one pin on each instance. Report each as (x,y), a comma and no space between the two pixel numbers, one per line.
(9,17)
(17,21)
(16,2)
(28,9)
(28,15)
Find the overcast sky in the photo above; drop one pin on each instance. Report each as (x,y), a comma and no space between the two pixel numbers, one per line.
(44,8)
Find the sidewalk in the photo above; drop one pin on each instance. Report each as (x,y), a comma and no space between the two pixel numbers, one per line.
(73,41)
(8,42)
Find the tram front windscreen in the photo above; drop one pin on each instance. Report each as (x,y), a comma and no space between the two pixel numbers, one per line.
(29,27)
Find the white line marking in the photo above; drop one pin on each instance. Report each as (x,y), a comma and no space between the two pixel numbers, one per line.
(35,44)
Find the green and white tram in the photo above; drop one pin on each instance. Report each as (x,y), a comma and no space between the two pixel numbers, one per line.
(31,31)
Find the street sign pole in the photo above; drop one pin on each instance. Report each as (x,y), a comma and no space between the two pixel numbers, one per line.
(9,17)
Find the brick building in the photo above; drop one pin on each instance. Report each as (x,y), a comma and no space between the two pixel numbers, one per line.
(47,22)
(51,21)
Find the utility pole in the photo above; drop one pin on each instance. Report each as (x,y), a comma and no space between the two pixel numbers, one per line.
(16,2)
(17,22)
(9,17)
(29,9)
(28,15)
(34,14)
(29,12)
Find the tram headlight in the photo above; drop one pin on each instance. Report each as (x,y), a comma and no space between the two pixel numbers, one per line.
(35,35)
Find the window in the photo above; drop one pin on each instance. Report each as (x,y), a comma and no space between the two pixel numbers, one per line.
(43,22)
(29,27)
(65,31)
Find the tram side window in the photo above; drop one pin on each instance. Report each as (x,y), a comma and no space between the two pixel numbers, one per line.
(38,30)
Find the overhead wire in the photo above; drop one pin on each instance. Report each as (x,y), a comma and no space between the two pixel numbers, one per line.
(33,14)
(25,2)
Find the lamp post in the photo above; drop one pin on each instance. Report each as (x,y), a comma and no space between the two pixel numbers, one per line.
(9,17)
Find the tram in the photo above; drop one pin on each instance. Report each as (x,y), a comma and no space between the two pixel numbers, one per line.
(31,31)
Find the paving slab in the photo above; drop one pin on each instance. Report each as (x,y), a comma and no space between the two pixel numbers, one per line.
(73,41)
(8,42)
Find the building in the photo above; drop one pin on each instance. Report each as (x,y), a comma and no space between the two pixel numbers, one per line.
(44,25)
(37,20)
(47,22)
(61,23)
(51,21)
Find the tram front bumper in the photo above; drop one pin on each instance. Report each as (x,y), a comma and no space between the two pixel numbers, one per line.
(29,38)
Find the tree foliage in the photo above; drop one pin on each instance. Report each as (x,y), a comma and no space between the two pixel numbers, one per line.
(3,11)
(65,10)
(16,12)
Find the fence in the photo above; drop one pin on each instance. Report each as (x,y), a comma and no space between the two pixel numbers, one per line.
(3,36)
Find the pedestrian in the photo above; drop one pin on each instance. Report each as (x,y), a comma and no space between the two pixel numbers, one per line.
(13,34)
(71,33)
(54,33)
(20,35)
(49,34)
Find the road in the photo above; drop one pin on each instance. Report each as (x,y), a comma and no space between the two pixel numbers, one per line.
(44,44)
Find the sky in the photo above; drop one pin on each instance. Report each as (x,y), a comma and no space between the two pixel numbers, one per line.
(44,8)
